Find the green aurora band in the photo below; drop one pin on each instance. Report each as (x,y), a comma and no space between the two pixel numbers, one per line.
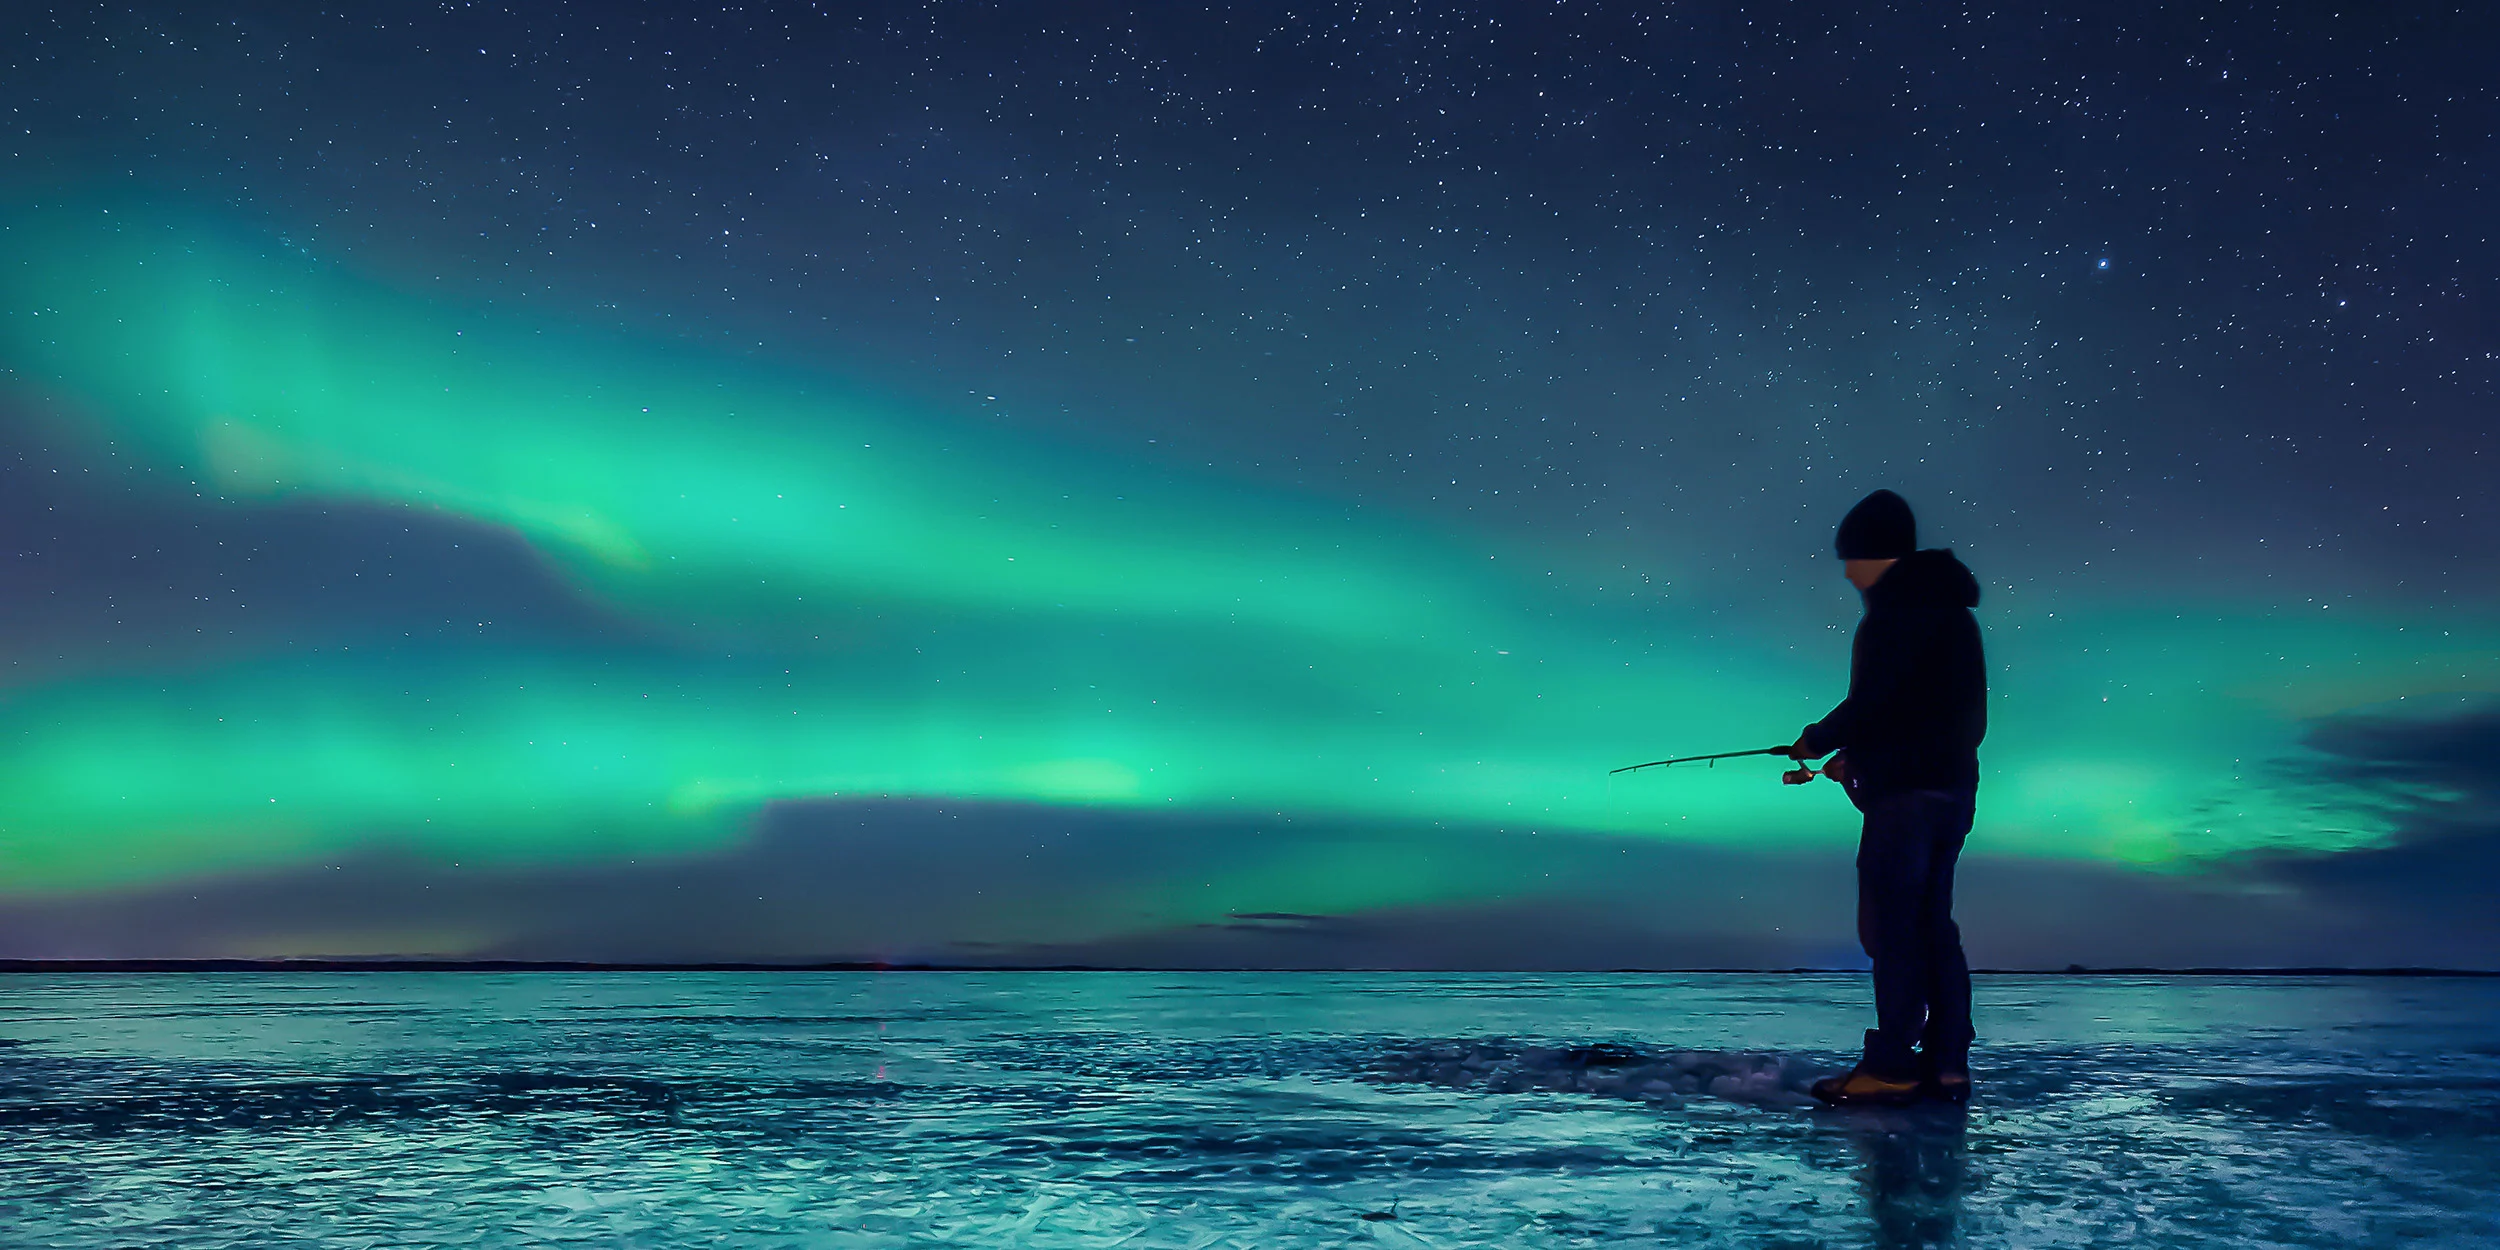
(927,608)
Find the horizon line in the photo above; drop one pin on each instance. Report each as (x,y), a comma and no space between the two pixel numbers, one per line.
(420,964)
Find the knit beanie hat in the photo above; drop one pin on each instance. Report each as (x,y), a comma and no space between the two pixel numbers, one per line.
(1879,528)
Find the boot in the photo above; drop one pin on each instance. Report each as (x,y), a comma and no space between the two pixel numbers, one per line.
(1945,1075)
(1869,1084)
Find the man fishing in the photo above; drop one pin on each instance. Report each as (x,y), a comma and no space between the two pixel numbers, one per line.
(1907,744)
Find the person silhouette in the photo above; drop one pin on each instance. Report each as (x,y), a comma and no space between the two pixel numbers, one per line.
(1905,747)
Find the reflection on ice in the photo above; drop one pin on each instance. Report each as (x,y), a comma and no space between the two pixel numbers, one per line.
(1915,1172)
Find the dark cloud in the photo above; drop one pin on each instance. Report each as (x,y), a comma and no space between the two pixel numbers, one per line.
(1533,934)
(1010,884)
(105,566)
(2437,774)
(2434,784)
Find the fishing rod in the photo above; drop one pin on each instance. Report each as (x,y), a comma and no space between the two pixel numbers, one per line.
(1796,776)
(1697,759)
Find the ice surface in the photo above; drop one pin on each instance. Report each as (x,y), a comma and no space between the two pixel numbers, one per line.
(1609,1070)
(1058,1109)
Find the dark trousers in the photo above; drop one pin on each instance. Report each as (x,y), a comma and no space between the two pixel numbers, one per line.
(1905,920)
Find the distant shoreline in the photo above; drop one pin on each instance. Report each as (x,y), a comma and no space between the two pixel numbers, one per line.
(532,965)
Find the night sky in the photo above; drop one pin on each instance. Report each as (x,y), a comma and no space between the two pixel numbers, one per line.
(1220,485)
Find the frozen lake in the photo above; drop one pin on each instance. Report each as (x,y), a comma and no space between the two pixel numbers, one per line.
(1204,1110)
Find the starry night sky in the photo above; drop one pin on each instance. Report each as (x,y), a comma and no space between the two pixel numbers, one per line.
(1220,485)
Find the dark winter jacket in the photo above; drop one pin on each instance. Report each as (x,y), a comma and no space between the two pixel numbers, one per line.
(1918,687)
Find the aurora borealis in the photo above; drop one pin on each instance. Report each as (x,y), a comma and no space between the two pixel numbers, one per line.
(1345,521)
